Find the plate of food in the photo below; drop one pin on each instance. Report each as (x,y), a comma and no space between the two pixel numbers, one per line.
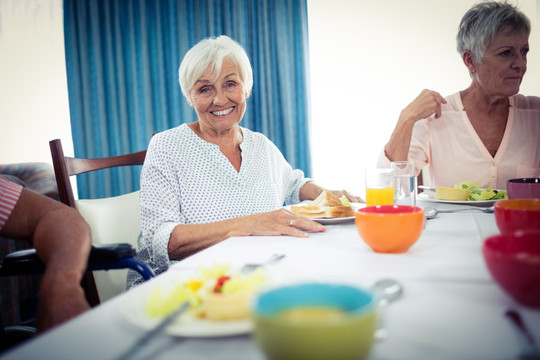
(219,302)
(464,193)
(326,209)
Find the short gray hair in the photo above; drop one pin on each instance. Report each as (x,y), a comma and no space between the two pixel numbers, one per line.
(211,52)
(484,21)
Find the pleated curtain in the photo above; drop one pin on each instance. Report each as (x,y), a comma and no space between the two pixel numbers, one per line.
(122,59)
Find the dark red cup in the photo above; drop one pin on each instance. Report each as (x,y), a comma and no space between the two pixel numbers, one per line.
(523,188)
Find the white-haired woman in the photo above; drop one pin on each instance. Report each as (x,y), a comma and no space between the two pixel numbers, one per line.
(209,180)
(486,133)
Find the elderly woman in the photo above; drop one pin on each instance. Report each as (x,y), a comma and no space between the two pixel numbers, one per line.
(209,180)
(486,133)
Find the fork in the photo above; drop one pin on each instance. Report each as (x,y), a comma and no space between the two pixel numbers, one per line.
(247,268)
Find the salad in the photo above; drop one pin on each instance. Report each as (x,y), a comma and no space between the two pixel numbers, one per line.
(201,291)
(479,194)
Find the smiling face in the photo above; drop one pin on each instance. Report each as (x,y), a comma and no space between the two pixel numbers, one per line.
(220,103)
(503,65)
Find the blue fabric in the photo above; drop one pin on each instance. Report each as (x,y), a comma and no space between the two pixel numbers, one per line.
(122,59)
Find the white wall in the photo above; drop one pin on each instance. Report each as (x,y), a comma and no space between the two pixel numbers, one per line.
(369,59)
(33,87)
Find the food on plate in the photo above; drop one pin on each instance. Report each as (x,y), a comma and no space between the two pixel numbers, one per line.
(479,194)
(214,294)
(453,194)
(309,211)
(339,211)
(327,198)
(469,191)
(326,205)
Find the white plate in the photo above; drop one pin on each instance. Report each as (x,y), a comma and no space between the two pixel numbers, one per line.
(334,221)
(186,325)
(429,197)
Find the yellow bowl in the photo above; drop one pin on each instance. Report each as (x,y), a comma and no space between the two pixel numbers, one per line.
(390,228)
(347,337)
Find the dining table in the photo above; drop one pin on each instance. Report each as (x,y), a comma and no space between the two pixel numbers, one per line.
(450,307)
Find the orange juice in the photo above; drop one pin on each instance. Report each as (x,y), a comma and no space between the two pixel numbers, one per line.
(380,196)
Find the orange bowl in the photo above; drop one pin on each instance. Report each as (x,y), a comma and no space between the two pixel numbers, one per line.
(390,228)
(517,214)
(513,261)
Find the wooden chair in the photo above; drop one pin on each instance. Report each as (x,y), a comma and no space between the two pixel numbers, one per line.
(112,220)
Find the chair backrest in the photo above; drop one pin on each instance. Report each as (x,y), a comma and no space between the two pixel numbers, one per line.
(64,167)
(112,220)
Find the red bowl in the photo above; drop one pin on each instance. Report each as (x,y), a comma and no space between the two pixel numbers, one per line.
(517,214)
(514,263)
(390,228)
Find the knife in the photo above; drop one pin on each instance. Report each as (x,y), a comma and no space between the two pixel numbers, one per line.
(155,331)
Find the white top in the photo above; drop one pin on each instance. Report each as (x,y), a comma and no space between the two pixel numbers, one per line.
(187,180)
(455,153)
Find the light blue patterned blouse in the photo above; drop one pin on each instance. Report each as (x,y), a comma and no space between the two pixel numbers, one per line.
(186,180)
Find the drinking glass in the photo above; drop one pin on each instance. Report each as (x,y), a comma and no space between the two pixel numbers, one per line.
(379,187)
(404,176)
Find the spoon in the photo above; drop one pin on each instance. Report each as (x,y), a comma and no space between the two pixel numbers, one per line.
(247,268)
(386,291)
(431,212)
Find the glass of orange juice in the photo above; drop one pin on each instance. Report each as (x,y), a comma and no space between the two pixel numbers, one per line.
(379,187)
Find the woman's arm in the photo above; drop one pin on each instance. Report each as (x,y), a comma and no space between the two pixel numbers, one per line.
(186,240)
(426,104)
(311,190)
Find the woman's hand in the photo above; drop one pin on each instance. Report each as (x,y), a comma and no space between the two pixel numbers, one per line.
(281,222)
(311,190)
(352,198)
(426,104)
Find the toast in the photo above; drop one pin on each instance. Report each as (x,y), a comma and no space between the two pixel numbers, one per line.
(326,198)
(339,211)
(326,205)
(309,211)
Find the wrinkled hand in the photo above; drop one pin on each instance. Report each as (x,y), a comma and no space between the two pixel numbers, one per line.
(281,222)
(350,197)
(426,104)
(60,299)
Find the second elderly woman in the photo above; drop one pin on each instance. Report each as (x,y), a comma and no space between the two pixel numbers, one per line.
(487,133)
(209,180)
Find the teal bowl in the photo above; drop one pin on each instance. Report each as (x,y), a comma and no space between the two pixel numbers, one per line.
(347,336)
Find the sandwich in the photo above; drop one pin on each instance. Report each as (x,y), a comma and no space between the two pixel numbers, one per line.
(326,198)
(309,211)
(326,205)
(339,211)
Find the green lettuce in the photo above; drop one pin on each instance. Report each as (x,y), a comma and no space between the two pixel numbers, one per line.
(479,194)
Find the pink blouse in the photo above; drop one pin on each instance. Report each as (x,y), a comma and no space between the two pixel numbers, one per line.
(455,153)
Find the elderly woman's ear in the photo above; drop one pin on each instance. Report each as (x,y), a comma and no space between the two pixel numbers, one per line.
(469,61)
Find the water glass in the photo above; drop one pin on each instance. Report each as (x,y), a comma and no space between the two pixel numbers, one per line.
(379,187)
(405,188)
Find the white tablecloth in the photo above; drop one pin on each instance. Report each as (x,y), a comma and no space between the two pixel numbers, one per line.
(450,309)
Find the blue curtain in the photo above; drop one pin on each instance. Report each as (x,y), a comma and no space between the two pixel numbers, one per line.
(122,59)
